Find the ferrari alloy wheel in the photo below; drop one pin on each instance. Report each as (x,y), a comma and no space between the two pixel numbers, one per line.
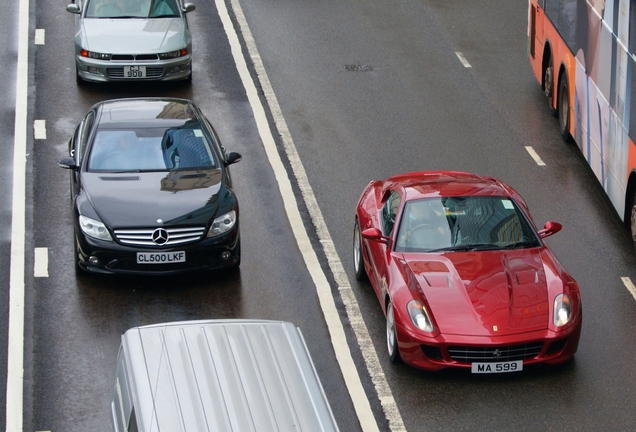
(564,109)
(358,261)
(391,335)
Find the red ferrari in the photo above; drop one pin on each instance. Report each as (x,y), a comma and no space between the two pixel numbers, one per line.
(463,275)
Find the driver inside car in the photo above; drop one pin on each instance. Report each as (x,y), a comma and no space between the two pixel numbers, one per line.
(425,226)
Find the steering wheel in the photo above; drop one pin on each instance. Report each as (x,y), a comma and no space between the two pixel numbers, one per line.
(424,226)
(112,161)
(424,235)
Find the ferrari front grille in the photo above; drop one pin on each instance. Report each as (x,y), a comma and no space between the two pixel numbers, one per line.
(469,354)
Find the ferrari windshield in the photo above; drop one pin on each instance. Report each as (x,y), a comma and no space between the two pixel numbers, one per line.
(132,9)
(463,224)
(150,149)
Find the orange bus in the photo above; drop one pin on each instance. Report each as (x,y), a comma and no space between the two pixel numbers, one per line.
(582,53)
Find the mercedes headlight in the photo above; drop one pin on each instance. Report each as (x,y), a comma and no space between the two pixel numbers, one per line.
(93,228)
(562,310)
(419,316)
(222,224)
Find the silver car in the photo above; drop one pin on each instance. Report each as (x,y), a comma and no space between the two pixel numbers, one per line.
(132,40)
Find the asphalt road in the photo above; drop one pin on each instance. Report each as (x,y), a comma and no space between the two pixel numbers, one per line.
(8,58)
(368,89)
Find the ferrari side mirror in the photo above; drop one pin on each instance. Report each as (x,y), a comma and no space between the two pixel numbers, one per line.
(550,228)
(375,234)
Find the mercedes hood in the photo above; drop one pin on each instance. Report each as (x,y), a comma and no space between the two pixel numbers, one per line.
(149,199)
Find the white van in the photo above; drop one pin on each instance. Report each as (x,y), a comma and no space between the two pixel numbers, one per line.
(218,375)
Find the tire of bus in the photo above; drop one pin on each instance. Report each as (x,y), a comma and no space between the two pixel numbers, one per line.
(563,105)
(548,79)
(632,224)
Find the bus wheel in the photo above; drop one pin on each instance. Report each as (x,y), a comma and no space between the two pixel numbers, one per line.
(563,104)
(632,225)
(548,79)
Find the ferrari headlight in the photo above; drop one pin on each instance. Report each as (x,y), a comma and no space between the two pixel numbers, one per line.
(93,228)
(419,316)
(222,224)
(562,310)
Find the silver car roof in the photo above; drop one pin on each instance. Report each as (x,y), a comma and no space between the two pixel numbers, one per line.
(225,375)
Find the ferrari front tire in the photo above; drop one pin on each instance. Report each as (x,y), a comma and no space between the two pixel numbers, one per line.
(391,335)
(358,260)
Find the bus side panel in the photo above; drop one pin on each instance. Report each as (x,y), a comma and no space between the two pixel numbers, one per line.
(590,42)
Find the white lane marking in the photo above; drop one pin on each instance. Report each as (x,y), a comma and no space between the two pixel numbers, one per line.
(15,351)
(462,59)
(39,36)
(630,286)
(343,353)
(535,156)
(39,129)
(41,262)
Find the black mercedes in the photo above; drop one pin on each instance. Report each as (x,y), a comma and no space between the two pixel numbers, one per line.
(151,189)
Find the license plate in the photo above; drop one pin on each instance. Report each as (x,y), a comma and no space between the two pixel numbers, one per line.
(160,257)
(134,71)
(498,367)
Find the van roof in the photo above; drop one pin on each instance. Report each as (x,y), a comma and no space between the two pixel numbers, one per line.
(224,375)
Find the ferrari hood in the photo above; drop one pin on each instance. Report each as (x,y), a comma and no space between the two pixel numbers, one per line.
(133,36)
(141,199)
(492,293)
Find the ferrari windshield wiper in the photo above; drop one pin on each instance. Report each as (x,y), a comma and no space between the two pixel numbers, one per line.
(521,245)
(456,248)
(486,246)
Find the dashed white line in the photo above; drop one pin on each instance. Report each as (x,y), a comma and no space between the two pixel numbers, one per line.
(39,129)
(41,262)
(462,59)
(327,302)
(535,156)
(39,36)
(630,286)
